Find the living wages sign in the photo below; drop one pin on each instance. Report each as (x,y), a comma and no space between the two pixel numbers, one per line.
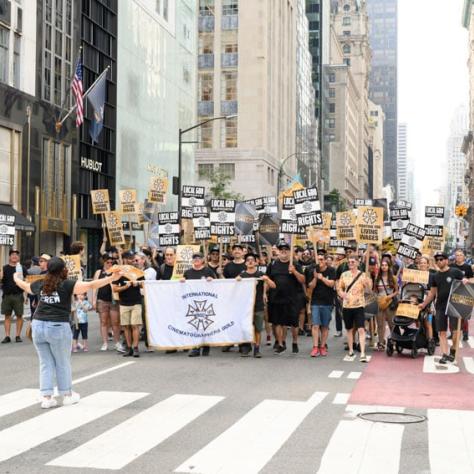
(199,312)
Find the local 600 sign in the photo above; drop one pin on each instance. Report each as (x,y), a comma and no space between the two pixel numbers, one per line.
(7,230)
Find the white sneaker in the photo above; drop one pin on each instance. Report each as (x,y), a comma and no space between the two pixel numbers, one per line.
(79,346)
(104,347)
(119,347)
(71,399)
(48,402)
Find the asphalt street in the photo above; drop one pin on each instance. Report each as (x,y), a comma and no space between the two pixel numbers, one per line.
(223,413)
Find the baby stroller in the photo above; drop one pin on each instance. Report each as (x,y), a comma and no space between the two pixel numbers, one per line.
(409,333)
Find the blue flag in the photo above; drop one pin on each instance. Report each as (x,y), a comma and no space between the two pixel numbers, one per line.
(96,98)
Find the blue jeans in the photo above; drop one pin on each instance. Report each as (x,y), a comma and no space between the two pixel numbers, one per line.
(321,315)
(53,343)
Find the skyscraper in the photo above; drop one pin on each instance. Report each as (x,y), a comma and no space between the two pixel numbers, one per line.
(383,37)
(402,162)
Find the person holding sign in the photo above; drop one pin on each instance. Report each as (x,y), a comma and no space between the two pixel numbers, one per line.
(351,288)
(52,336)
(440,289)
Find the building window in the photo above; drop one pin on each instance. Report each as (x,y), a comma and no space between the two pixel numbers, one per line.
(346,33)
(331,123)
(332,77)
(206,86)
(10,146)
(227,169)
(346,49)
(229,85)
(4,39)
(347,7)
(332,108)
(229,42)
(206,7)
(347,61)
(230,7)
(205,169)
(206,135)
(19,20)
(346,20)
(16,60)
(332,92)
(229,133)
(206,43)
(165,9)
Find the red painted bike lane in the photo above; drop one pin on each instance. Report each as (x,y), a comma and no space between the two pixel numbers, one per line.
(401,381)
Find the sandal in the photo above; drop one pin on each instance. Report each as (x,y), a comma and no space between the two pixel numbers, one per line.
(381,347)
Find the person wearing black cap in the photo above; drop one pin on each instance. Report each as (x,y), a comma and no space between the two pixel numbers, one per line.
(237,266)
(282,307)
(213,263)
(197,272)
(12,299)
(52,336)
(439,291)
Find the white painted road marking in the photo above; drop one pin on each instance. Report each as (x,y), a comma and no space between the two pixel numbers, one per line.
(248,445)
(35,431)
(431,366)
(149,428)
(354,375)
(336,374)
(102,372)
(451,431)
(341,398)
(363,447)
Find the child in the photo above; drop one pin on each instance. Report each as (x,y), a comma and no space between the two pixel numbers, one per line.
(80,307)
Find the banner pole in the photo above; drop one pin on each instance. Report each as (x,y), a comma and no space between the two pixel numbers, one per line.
(220,255)
(292,248)
(206,251)
(458,336)
(130,228)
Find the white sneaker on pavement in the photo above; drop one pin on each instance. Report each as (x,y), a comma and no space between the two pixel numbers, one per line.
(119,347)
(48,402)
(71,399)
(104,347)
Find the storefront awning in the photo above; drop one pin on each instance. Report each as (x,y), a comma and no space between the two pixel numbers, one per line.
(21,222)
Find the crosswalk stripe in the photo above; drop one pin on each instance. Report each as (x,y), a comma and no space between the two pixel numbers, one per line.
(451,438)
(362,446)
(248,445)
(35,431)
(150,428)
(18,400)
(336,374)
(471,342)
(354,375)
(341,398)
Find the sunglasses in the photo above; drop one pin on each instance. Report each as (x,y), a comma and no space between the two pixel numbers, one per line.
(439,259)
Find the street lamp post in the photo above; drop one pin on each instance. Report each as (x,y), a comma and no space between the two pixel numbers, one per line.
(280,170)
(180,158)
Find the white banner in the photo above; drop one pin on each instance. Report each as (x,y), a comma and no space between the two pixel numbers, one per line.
(198,312)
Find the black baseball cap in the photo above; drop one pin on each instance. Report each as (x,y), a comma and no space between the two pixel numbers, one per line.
(322,252)
(253,255)
(441,255)
(237,246)
(227,256)
(198,255)
(128,254)
(298,248)
(214,249)
(283,245)
(11,251)
(56,265)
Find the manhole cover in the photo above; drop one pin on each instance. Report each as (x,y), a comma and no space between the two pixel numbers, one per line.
(389,417)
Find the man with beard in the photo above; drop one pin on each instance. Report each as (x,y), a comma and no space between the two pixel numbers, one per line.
(282,307)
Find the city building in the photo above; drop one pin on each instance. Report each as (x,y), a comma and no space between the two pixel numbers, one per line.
(402,163)
(345,161)
(457,192)
(383,37)
(156,92)
(376,124)
(247,73)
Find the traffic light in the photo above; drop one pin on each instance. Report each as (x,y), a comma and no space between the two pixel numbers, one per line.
(461,210)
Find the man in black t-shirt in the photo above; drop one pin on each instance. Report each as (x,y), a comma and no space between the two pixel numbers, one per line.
(213,263)
(237,266)
(197,272)
(440,289)
(282,307)
(12,298)
(321,279)
(166,268)
(460,264)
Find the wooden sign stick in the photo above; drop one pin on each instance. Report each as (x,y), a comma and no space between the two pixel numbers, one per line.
(292,248)
(458,337)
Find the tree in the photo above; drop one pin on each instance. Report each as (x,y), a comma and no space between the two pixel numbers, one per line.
(336,201)
(220,185)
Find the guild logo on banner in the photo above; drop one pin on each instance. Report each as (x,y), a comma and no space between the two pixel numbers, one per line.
(192,201)
(168,229)
(400,224)
(346,220)
(3,229)
(267,210)
(433,221)
(412,241)
(202,222)
(70,265)
(127,196)
(186,253)
(293,215)
(200,314)
(99,196)
(369,217)
(222,216)
(307,206)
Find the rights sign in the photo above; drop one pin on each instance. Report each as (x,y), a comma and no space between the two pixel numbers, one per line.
(307,207)
(168,229)
(288,221)
(412,240)
(191,196)
(201,223)
(223,217)
(7,230)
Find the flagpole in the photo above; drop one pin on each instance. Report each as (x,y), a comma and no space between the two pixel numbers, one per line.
(83,96)
(79,54)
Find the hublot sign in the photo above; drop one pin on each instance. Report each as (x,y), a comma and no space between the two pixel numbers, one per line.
(92,165)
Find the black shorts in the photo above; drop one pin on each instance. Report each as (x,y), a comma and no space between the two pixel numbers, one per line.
(283,314)
(353,317)
(442,321)
(301,301)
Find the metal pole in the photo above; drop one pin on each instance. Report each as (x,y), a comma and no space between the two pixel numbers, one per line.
(180,159)
(28,165)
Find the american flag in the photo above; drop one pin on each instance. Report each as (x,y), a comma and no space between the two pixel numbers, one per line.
(76,87)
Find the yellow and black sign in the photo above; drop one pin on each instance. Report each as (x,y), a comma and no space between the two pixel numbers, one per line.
(100,201)
(128,201)
(369,229)
(114,224)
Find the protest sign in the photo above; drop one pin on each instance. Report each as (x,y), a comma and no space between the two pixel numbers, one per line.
(307,207)
(154,236)
(269,229)
(412,240)
(369,228)
(128,201)
(168,229)
(362,203)
(222,217)
(415,276)
(345,225)
(100,201)
(113,220)
(333,241)
(73,266)
(432,245)
(434,221)
(158,189)
(265,205)
(7,230)
(399,219)
(191,196)
(183,260)
(461,300)
(201,223)
(245,218)
(288,221)
(199,313)
(130,272)
(140,213)
(408,310)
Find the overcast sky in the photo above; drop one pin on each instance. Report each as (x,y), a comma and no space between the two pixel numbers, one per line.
(433,81)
